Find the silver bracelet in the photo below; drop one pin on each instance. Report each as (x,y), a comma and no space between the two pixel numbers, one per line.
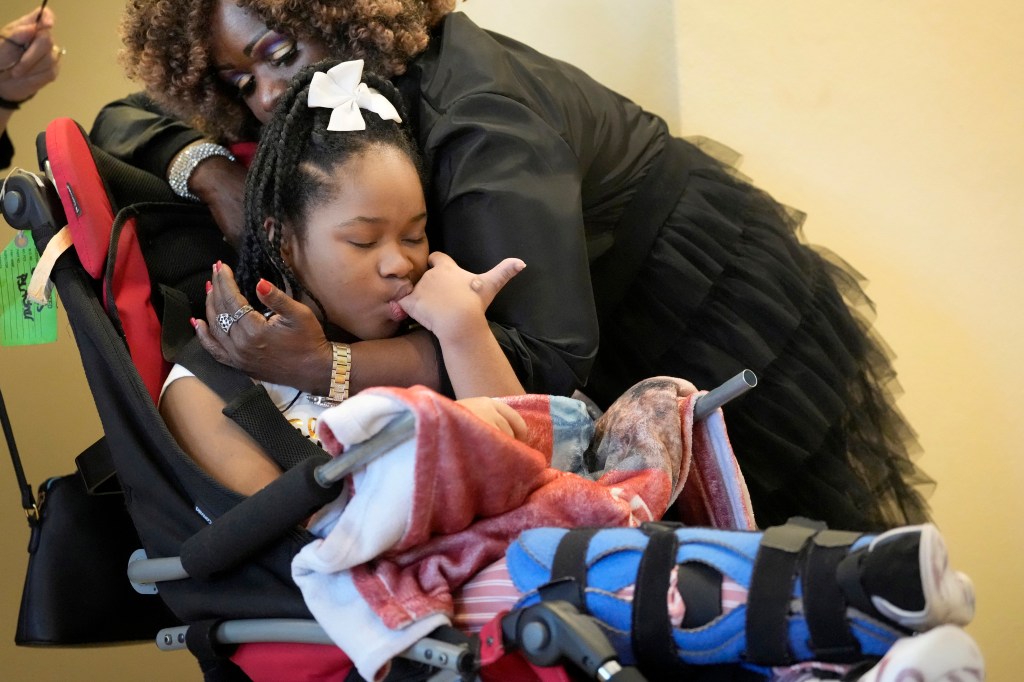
(185,164)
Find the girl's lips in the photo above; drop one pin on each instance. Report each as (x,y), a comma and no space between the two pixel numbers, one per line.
(397,312)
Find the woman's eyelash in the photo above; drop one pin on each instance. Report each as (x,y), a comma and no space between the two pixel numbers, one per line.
(282,51)
(244,84)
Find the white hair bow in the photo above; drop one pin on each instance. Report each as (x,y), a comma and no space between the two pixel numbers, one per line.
(340,89)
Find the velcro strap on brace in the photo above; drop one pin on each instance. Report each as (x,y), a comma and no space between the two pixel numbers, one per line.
(569,569)
(653,646)
(832,639)
(771,589)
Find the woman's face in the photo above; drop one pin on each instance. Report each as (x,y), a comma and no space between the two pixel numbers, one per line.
(255,60)
(366,245)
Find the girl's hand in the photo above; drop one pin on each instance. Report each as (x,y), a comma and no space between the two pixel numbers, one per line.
(448,299)
(497,414)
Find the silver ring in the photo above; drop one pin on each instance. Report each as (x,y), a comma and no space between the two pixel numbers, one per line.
(225,321)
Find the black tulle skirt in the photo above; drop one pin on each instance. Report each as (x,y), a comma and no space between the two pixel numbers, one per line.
(730,285)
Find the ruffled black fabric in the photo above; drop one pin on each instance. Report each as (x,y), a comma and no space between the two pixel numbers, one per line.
(730,285)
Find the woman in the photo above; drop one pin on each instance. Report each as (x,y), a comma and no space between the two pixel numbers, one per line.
(28,61)
(646,256)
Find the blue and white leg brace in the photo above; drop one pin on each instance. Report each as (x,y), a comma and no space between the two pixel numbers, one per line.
(795,611)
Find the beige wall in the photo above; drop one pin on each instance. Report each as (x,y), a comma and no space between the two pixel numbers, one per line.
(896,125)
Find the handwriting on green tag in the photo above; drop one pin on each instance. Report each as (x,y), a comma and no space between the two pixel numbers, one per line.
(22,322)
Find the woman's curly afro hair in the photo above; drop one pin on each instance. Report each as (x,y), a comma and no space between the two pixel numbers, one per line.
(167,47)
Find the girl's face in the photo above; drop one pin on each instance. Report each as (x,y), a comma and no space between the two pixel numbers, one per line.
(365,246)
(255,60)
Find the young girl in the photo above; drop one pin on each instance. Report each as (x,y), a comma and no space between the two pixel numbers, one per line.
(336,216)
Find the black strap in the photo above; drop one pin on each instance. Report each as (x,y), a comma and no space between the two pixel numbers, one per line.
(28,499)
(227,382)
(175,326)
(569,569)
(120,220)
(570,559)
(771,589)
(831,638)
(255,412)
(250,406)
(653,645)
(213,657)
(848,574)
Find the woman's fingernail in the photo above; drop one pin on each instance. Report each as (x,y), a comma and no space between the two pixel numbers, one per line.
(209,287)
(216,266)
(195,323)
(263,287)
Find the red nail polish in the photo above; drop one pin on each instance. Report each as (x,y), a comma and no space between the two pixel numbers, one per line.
(209,287)
(195,324)
(263,287)
(216,266)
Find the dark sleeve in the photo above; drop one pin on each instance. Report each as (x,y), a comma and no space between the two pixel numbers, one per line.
(135,130)
(6,150)
(505,184)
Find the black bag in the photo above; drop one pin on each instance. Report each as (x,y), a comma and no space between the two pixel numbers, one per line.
(76,585)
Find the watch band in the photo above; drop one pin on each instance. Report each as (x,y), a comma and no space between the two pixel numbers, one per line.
(341,371)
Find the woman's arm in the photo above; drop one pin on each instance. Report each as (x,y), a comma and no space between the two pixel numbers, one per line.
(504,183)
(290,347)
(219,446)
(135,130)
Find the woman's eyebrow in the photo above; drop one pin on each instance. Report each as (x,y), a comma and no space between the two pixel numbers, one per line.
(247,51)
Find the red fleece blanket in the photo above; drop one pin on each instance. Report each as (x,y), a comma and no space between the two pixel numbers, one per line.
(474,489)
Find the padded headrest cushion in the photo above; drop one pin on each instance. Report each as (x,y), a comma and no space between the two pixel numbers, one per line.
(82,192)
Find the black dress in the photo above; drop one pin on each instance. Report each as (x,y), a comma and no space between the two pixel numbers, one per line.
(645,256)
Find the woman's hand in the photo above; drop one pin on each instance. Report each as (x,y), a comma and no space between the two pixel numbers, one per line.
(448,299)
(287,348)
(28,58)
(497,414)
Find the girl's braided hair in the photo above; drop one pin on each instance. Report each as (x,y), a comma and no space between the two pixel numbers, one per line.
(295,166)
(167,47)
